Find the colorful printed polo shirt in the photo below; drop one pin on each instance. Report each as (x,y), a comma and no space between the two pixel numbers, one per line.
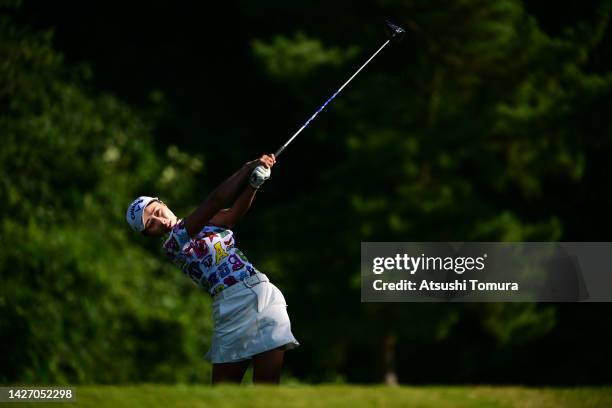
(210,259)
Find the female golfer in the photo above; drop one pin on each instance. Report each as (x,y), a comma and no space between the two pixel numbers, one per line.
(249,312)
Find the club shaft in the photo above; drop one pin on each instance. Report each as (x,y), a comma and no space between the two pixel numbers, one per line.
(279,151)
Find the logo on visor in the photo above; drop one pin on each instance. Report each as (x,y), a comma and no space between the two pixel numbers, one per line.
(134,207)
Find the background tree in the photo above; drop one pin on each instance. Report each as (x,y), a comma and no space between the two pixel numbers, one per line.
(490,122)
(81,299)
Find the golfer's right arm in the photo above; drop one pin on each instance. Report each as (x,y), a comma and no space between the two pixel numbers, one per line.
(219,198)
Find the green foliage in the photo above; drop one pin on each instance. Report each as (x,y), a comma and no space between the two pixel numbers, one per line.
(293,58)
(484,117)
(516,323)
(81,298)
(483,125)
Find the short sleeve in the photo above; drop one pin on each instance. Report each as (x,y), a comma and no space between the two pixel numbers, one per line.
(176,240)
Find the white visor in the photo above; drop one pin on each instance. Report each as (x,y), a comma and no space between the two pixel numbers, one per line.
(135,212)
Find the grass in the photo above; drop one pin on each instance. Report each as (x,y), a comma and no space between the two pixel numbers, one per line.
(318,396)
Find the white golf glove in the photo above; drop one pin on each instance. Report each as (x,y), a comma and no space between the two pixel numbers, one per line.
(258,176)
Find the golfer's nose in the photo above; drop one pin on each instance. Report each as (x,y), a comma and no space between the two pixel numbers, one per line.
(162,221)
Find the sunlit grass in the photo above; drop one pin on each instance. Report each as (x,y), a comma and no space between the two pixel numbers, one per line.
(152,396)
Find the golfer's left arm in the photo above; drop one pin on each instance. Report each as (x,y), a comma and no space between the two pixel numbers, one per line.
(229,217)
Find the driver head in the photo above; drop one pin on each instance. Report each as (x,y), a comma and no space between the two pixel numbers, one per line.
(394,32)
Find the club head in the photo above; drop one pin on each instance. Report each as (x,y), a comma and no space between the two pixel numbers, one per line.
(394,32)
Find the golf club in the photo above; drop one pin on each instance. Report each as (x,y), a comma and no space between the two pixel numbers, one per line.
(395,34)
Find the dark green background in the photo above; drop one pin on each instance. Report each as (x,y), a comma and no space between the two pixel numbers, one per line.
(490,122)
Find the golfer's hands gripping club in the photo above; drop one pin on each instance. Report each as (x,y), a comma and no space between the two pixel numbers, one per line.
(261,171)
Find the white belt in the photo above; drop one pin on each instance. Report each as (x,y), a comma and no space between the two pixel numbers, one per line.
(246,282)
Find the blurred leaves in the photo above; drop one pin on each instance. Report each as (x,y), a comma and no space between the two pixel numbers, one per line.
(81,300)
(518,323)
(475,132)
(482,126)
(291,58)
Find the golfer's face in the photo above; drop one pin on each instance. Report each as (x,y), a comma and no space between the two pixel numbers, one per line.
(158,218)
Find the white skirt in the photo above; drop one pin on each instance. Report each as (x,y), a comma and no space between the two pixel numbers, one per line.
(249,318)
